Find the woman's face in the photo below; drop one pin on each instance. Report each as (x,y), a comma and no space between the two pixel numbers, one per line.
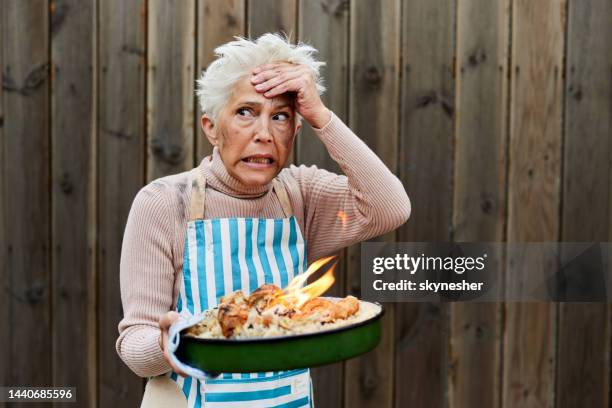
(254,134)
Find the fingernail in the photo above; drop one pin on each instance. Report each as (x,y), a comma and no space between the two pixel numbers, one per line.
(259,86)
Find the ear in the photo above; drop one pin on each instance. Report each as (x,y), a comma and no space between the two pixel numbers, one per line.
(298,126)
(209,129)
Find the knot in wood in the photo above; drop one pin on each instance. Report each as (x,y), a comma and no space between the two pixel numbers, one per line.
(35,293)
(486,206)
(373,76)
(167,152)
(66,184)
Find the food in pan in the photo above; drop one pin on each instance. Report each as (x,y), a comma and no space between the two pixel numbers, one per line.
(271,311)
(240,317)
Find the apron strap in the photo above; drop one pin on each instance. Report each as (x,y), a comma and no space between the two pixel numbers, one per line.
(198,190)
(281,193)
(198,195)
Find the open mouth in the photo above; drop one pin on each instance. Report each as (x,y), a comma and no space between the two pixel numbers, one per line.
(259,160)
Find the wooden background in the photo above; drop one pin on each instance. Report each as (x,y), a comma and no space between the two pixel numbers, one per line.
(495,114)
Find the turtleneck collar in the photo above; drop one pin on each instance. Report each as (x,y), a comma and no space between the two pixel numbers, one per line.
(219,178)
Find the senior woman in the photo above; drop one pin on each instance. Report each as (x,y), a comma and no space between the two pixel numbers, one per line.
(240,208)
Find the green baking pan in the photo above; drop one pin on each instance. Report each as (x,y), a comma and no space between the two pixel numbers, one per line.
(282,352)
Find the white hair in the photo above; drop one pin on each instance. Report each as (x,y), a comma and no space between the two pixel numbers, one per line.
(236,59)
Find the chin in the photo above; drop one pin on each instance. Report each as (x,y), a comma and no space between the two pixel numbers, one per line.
(256,180)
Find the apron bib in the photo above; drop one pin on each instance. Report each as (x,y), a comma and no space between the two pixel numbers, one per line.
(223,255)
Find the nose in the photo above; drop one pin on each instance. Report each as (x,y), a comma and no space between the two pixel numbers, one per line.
(262,133)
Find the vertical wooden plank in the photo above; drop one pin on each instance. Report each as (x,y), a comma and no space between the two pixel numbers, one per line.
(272,16)
(373,101)
(218,23)
(121,142)
(71,125)
(92,329)
(4,274)
(533,196)
(26,169)
(584,329)
(426,155)
(93,230)
(479,190)
(324,25)
(170,86)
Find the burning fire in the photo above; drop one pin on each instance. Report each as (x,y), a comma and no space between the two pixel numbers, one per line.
(296,295)
(342,215)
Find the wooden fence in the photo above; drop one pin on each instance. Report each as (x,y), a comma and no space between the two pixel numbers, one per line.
(496,115)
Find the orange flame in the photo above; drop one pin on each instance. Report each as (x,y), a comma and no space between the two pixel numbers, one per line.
(342,215)
(297,295)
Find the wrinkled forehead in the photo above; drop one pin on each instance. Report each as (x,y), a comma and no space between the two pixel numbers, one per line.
(244,93)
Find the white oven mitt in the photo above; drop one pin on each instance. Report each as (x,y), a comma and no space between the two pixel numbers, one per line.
(174,338)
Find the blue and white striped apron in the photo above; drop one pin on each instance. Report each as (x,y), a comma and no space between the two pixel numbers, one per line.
(223,255)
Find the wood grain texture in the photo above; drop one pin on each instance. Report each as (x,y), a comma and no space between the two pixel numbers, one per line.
(93,227)
(121,165)
(373,115)
(27,171)
(170,86)
(475,357)
(272,16)
(533,197)
(72,188)
(217,23)
(93,174)
(479,191)
(324,25)
(425,154)
(4,273)
(583,355)
(79,137)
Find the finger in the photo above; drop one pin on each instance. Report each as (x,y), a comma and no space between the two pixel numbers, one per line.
(276,80)
(270,65)
(274,71)
(167,319)
(260,68)
(287,86)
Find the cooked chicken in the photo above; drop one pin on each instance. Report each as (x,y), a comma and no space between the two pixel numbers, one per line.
(346,307)
(317,305)
(233,312)
(262,298)
(234,297)
(263,308)
(329,310)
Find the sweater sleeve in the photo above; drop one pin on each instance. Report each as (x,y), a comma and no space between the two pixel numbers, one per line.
(146,280)
(342,210)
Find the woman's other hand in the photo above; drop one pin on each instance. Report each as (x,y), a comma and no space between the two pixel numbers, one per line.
(165,321)
(277,78)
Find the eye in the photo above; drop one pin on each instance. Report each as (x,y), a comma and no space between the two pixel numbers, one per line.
(282,116)
(246,112)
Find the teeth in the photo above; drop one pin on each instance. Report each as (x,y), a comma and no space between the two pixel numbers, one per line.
(261,160)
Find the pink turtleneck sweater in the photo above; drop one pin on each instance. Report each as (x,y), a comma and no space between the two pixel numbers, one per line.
(371,198)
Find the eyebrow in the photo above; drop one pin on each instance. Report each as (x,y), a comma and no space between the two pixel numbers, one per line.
(277,105)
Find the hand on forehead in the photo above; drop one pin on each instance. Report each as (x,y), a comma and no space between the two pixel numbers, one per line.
(246,92)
